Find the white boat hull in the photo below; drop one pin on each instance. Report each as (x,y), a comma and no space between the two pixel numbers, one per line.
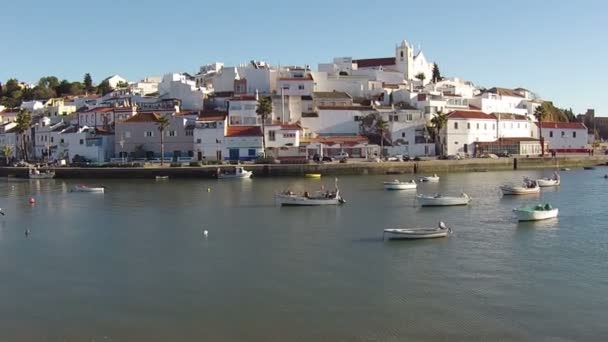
(42,175)
(245,174)
(430,179)
(88,189)
(416,233)
(443,201)
(545,183)
(294,200)
(519,190)
(400,185)
(535,215)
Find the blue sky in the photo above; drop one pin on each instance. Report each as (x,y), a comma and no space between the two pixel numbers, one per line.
(557,49)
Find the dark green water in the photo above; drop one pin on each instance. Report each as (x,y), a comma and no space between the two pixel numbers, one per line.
(132,265)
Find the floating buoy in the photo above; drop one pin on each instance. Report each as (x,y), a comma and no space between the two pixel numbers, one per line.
(208,189)
(27,232)
(206,233)
(32,200)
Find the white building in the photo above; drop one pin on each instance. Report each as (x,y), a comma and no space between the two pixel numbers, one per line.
(296,85)
(242,111)
(464,129)
(8,137)
(501,100)
(105,117)
(85,142)
(179,86)
(454,87)
(114,80)
(32,106)
(209,134)
(513,126)
(565,137)
(338,120)
(243,143)
(147,86)
(407,133)
(280,136)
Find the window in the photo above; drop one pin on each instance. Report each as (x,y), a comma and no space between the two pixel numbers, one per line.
(53,139)
(485,126)
(478,125)
(148,134)
(172,133)
(574,134)
(189,132)
(511,125)
(394,118)
(190,154)
(251,152)
(127,134)
(468,125)
(198,141)
(300,87)
(563,134)
(289,135)
(61,141)
(357,118)
(455,142)
(518,125)
(455,125)
(493,126)
(403,134)
(550,134)
(81,141)
(272,135)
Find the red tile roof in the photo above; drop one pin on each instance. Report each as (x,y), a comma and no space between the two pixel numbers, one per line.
(100,110)
(374,62)
(565,125)
(244,131)
(288,127)
(504,92)
(143,117)
(470,114)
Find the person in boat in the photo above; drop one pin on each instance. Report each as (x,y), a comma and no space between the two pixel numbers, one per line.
(306,194)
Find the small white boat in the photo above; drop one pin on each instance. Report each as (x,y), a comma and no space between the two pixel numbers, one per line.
(162,177)
(434,178)
(548,182)
(443,201)
(239,172)
(86,188)
(536,213)
(418,233)
(529,187)
(36,174)
(565,169)
(399,185)
(318,198)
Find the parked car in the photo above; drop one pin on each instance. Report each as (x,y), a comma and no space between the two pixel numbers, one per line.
(397,157)
(342,155)
(504,154)
(454,157)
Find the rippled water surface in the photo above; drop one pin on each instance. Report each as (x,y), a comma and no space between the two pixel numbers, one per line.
(132,264)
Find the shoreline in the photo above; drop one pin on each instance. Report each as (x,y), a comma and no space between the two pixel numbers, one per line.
(350,168)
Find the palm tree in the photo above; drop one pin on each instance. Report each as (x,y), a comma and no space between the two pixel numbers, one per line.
(264,110)
(7,150)
(540,113)
(381,128)
(24,122)
(162,123)
(438,122)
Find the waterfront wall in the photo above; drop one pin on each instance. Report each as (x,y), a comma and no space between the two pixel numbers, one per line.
(352,168)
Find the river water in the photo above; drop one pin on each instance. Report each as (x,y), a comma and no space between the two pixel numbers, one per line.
(132,264)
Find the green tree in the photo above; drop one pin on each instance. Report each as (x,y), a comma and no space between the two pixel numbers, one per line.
(12,94)
(7,151)
(381,128)
(122,85)
(264,110)
(42,93)
(104,87)
(438,122)
(88,82)
(540,113)
(24,122)
(49,82)
(76,88)
(421,77)
(436,73)
(162,123)
(63,88)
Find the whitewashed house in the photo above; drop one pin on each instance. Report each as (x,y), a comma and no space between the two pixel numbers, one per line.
(335,120)
(407,133)
(501,100)
(209,135)
(243,143)
(181,87)
(105,117)
(565,137)
(242,111)
(464,129)
(8,137)
(85,142)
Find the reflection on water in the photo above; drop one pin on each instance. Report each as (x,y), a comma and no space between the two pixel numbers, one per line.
(132,264)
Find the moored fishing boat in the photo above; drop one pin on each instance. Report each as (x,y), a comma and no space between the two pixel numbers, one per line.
(418,233)
(399,185)
(442,201)
(162,177)
(529,187)
(313,175)
(548,182)
(536,213)
(86,188)
(238,173)
(434,178)
(317,198)
(36,174)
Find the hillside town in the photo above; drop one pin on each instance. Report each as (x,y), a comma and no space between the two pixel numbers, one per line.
(399,105)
